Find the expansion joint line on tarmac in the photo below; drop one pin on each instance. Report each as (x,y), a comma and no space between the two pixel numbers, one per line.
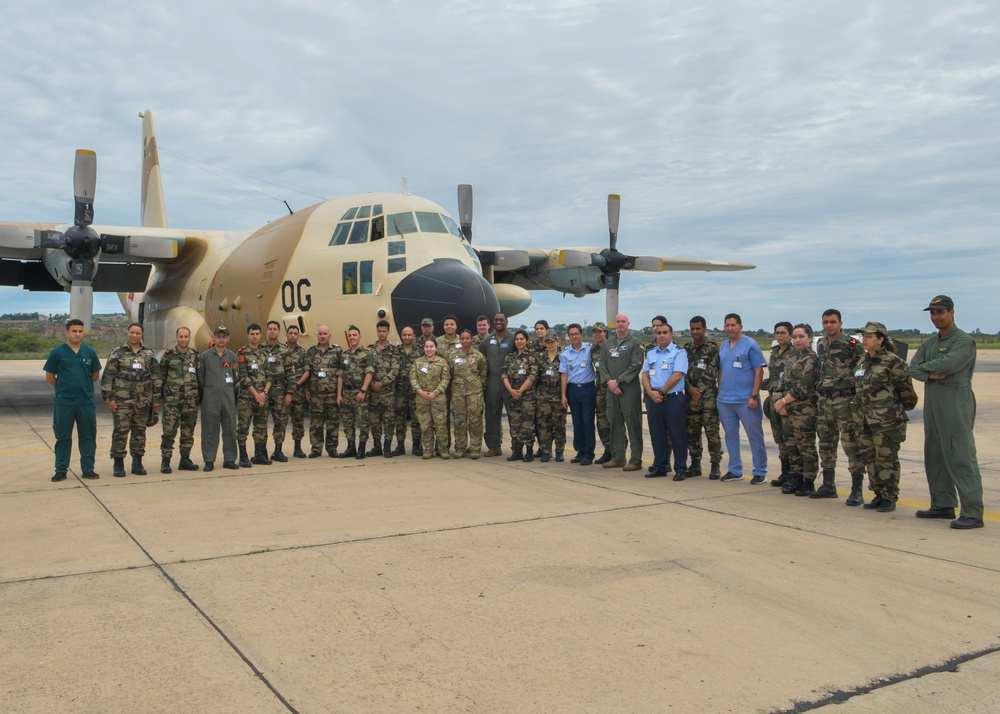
(176,586)
(841,696)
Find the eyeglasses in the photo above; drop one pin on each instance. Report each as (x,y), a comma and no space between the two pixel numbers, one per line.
(781,332)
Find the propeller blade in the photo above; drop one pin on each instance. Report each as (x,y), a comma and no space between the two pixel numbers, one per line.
(611,282)
(84,185)
(614,209)
(465,210)
(50,239)
(81,302)
(576,258)
(648,263)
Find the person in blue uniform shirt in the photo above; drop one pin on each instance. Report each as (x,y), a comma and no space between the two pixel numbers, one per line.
(72,368)
(579,393)
(666,408)
(741,372)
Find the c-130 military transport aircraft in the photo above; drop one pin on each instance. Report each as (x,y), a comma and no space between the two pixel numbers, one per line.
(350,260)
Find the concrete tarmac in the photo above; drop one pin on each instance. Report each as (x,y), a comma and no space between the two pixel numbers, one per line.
(327,585)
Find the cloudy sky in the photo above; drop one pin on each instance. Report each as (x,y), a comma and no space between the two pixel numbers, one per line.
(849,149)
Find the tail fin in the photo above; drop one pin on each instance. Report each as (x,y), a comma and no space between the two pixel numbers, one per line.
(153,211)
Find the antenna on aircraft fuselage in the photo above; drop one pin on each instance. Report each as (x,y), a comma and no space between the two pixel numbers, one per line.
(290,211)
(406,186)
(465,210)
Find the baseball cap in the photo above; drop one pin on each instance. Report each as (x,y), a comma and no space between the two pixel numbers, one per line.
(427,321)
(551,338)
(221,328)
(875,327)
(941,302)
(599,326)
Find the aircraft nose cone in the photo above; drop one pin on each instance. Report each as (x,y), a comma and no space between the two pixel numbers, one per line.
(445,287)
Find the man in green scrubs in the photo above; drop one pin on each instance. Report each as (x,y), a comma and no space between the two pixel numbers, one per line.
(945,362)
(72,368)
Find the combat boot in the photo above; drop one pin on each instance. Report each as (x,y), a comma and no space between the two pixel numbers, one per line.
(376,449)
(297,452)
(806,487)
(186,464)
(418,447)
(362,445)
(349,451)
(137,468)
(791,484)
(716,473)
(244,461)
(605,457)
(255,459)
(829,487)
(857,497)
(119,469)
(528,454)
(278,454)
(315,453)
(559,456)
(516,452)
(261,453)
(695,469)
(165,465)
(400,449)
(786,469)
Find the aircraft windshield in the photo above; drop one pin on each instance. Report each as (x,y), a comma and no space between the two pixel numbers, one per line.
(400,224)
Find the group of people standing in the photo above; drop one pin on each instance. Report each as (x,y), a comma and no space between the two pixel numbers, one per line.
(848,392)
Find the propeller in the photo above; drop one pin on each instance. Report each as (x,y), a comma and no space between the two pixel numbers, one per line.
(465,210)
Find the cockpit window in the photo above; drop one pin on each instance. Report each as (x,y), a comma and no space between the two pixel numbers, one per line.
(430,222)
(364,212)
(351,212)
(340,234)
(359,234)
(377,209)
(452,226)
(400,224)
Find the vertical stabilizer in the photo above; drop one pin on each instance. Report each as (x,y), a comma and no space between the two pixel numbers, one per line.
(153,211)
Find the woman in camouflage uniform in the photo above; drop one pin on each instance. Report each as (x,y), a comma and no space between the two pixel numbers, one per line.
(884,394)
(781,354)
(550,414)
(468,368)
(131,387)
(798,409)
(429,376)
(520,372)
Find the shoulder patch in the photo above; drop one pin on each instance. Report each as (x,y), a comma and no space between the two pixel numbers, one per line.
(168,353)
(241,358)
(853,342)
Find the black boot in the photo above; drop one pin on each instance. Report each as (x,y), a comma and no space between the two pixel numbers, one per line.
(806,487)
(829,487)
(516,452)
(559,456)
(315,453)
(349,451)
(857,497)
(791,484)
(785,470)
(119,466)
(244,461)
(874,503)
(376,449)
(362,445)
(137,468)
(387,448)
(278,454)
(418,447)
(400,449)
(716,473)
(695,469)
(297,452)
(605,457)
(186,464)
(528,454)
(165,465)
(261,454)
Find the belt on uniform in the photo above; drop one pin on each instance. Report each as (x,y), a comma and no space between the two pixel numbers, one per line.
(674,394)
(836,393)
(580,384)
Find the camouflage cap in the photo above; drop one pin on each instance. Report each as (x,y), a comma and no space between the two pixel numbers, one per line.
(427,321)
(551,337)
(221,328)
(599,326)
(876,327)
(941,302)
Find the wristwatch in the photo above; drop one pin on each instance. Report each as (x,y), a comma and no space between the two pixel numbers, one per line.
(755,396)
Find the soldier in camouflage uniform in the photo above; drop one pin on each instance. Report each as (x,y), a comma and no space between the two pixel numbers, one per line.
(429,377)
(798,409)
(447,344)
(296,380)
(468,369)
(520,373)
(131,387)
(781,354)
(277,362)
(356,370)
(382,409)
(254,374)
(537,345)
(702,387)
(884,394)
(600,334)
(838,355)
(550,414)
(323,367)
(179,370)
(406,399)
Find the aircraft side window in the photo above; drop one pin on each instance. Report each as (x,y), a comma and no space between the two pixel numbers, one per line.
(377,209)
(397,247)
(366,277)
(349,215)
(378,228)
(430,222)
(350,279)
(397,265)
(452,226)
(340,234)
(359,234)
(399,224)
(364,212)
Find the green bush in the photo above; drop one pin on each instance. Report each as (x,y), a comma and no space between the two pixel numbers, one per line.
(18,341)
